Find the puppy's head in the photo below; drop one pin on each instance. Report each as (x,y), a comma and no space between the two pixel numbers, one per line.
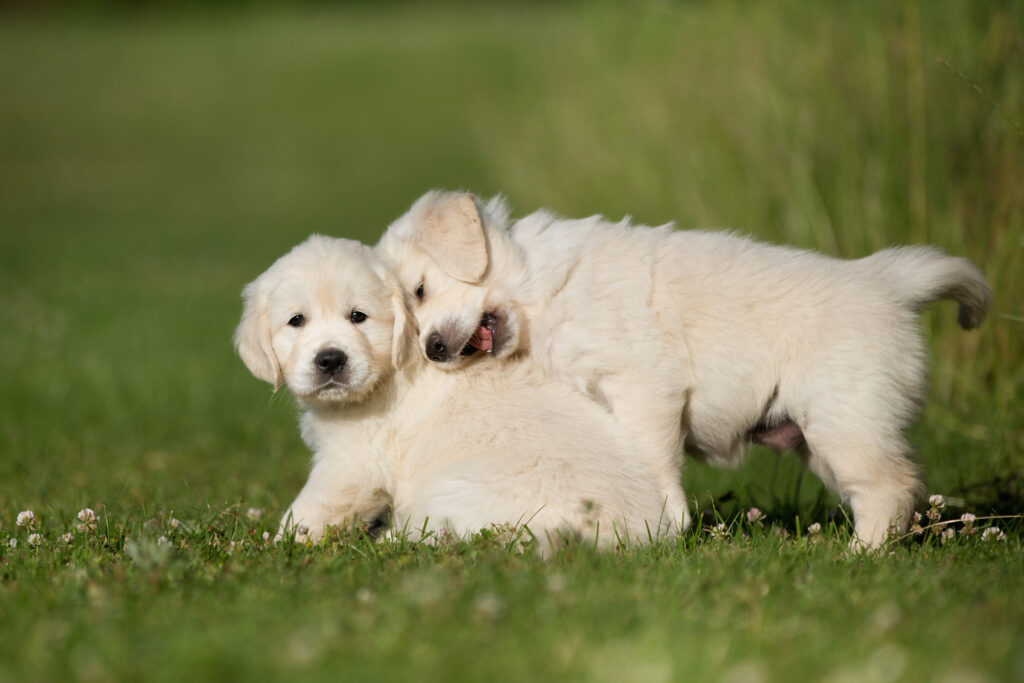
(453,259)
(327,320)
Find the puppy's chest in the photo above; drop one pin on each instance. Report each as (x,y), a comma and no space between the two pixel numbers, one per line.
(347,438)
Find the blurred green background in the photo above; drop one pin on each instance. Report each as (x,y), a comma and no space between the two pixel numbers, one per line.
(153,160)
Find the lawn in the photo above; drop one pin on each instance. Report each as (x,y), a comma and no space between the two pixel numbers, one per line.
(153,162)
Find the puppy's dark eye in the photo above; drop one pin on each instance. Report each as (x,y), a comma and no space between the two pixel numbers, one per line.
(297,320)
(419,292)
(357,317)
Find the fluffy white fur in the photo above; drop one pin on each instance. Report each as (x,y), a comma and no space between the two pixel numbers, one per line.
(439,451)
(704,338)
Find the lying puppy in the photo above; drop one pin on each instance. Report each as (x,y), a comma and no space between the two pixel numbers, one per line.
(703,338)
(452,452)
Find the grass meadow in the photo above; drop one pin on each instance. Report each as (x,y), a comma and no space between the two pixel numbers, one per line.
(153,161)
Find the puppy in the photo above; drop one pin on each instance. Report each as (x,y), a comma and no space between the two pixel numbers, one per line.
(703,339)
(441,452)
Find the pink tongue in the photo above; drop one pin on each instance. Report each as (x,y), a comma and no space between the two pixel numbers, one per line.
(483,339)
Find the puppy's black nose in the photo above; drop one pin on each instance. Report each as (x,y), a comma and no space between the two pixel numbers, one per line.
(330,361)
(436,348)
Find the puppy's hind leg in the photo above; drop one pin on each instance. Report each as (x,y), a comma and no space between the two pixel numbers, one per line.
(874,474)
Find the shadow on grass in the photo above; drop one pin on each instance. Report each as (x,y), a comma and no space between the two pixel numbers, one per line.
(999,496)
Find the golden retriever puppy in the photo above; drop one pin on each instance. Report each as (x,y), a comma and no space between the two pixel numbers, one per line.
(704,339)
(440,452)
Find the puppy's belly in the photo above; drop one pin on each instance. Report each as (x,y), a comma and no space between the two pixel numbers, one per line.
(780,437)
(718,449)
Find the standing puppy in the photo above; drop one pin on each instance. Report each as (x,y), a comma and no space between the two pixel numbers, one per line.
(703,338)
(437,451)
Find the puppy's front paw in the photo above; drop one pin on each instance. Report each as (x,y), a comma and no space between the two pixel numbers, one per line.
(300,533)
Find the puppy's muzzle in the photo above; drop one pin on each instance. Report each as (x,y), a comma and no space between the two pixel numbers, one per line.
(438,348)
(330,361)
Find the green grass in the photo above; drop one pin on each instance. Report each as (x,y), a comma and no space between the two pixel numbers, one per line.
(753,604)
(152,164)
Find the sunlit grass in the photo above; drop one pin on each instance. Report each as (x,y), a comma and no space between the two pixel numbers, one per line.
(211,594)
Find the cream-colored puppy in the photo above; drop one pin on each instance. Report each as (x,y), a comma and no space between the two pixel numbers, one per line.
(703,338)
(439,451)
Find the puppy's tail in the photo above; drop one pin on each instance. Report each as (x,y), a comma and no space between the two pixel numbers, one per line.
(921,275)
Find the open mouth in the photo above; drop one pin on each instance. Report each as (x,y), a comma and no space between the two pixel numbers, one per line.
(483,337)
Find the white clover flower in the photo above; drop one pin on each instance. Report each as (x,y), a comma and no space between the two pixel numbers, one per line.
(967,518)
(814,529)
(86,515)
(34,540)
(937,501)
(933,514)
(66,537)
(917,518)
(26,518)
(254,513)
(993,534)
(162,541)
(754,516)
(13,543)
(780,532)
(719,531)
(81,528)
(947,534)
(174,523)
(916,529)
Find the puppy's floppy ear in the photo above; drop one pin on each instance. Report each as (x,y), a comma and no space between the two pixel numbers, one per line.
(252,337)
(404,333)
(452,233)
